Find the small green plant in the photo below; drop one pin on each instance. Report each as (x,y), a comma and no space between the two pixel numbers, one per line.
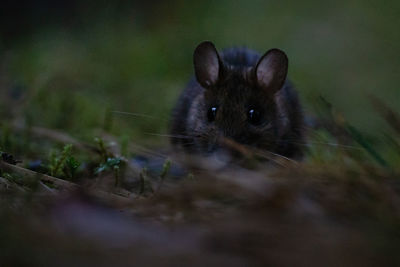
(190,177)
(102,149)
(7,176)
(165,170)
(111,164)
(71,167)
(145,184)
(108,165)
(63,164)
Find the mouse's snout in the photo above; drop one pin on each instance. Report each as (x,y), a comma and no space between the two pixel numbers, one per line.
(223,145)
(233,148)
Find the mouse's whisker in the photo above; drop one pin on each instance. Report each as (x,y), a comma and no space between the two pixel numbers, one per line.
(279,156)
(269,157)
(178,136)
(311,143)
(141,115)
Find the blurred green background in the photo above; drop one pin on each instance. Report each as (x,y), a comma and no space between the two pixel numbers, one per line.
(69,65)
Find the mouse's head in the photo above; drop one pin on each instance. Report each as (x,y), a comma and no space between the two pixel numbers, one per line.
(239,102)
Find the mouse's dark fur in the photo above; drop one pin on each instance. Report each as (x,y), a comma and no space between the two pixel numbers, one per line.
(217,103)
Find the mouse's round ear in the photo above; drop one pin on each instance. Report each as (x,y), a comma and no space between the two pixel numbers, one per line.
(271,70)
(207,64)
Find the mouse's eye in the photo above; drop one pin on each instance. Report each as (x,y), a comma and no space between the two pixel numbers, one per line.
(254,116)
(212,113)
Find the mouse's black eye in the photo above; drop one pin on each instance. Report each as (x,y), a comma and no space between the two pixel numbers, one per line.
(254,116)
(212,113)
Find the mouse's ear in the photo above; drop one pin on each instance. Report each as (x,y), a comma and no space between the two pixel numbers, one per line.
(271,70)
(207,64)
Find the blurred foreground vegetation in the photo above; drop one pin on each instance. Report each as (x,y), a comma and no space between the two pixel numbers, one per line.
(86,176)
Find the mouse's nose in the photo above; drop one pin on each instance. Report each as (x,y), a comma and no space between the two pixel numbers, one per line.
(235,148)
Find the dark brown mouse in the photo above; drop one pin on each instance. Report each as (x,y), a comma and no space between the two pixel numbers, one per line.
(240,96)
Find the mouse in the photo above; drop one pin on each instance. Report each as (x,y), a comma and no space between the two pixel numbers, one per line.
(238,98)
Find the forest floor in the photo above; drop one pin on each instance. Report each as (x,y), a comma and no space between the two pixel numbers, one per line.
(85,204)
